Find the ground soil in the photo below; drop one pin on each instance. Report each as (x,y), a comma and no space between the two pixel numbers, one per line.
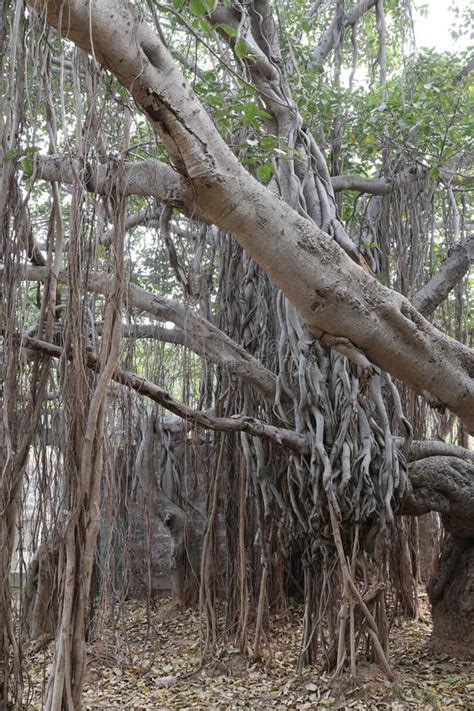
(151,660)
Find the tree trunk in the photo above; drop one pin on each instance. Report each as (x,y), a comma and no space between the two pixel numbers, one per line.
(40,604)
(429,534)
(451,594)
(446,484)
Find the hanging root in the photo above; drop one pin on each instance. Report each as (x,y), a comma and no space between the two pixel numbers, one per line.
(350,585)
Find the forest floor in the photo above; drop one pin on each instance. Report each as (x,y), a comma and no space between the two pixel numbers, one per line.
(151,661)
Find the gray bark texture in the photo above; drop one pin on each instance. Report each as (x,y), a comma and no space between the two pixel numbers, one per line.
(148,177)
(446,485)
(453,268)
(451,594)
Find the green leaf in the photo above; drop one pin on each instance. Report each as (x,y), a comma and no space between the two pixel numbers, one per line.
(27,166)
(240,49)
(11,154)
(231,31)
(215,100)
(205,27)
(178,4)
(265,171)
(31,149)
(252,112)
(198,7)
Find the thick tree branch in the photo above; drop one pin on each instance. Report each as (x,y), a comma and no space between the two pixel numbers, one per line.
(384,186)
(425,301)
(149,217)
(446,485)
(329,39)
(154,179)
(150,178)
(201,335)
(238,423)
(155,332)
(332,294)
(423,449)
(452,270)
(373,186)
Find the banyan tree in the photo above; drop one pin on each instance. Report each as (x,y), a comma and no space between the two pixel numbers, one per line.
(235,244)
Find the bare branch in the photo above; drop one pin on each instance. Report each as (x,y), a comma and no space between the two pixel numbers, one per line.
(201,335)
(153,331)
(149,216)
(452,270)
(237,423)
(328,41)
(374,186)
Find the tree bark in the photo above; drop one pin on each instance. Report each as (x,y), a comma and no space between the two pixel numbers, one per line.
(446,485)
(451,271)
(149,177)
(451,593)
(40,605)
